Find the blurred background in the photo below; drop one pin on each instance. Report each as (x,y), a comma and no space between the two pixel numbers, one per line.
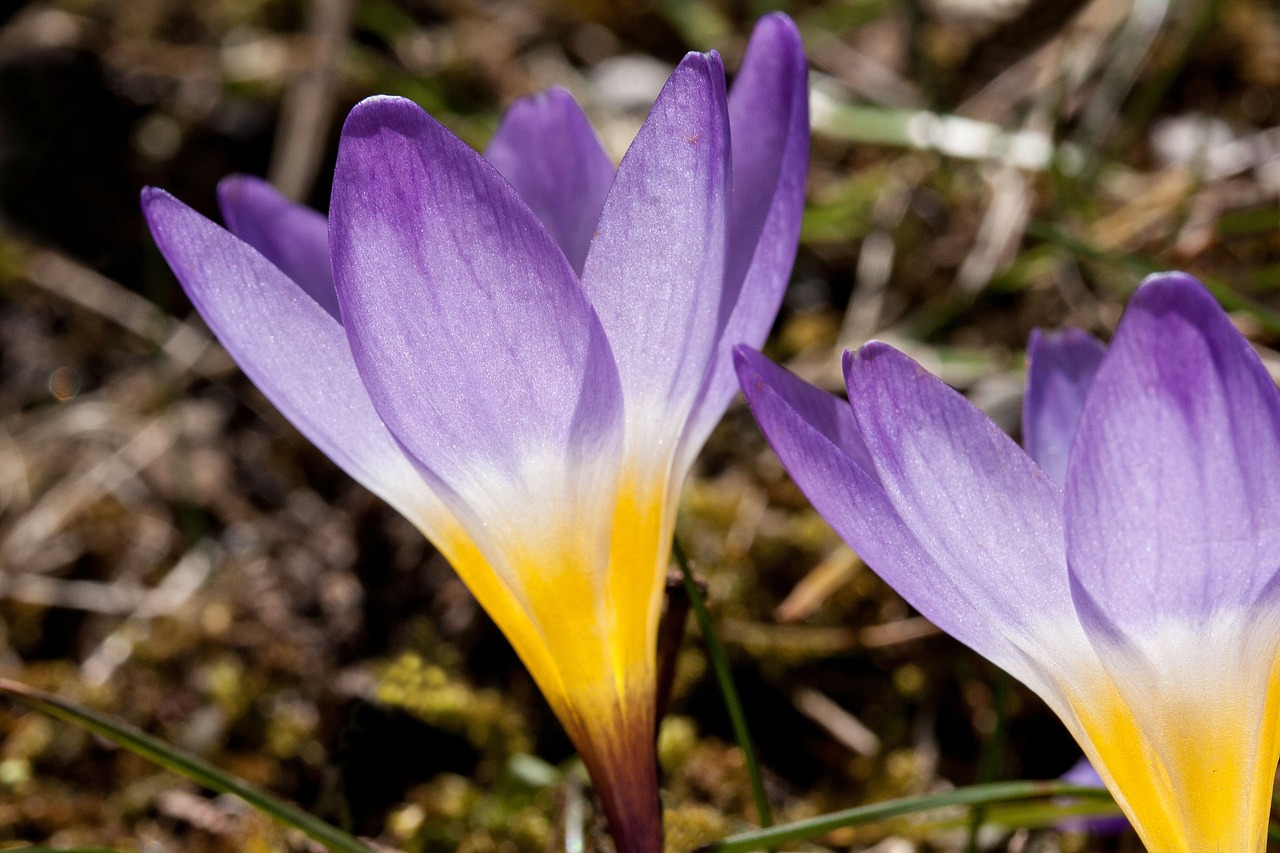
(172,552)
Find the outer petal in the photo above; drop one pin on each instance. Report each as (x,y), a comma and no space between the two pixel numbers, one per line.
(291,348)
(546,148)
(292,236)
(1172,488)
(483,355)
(1062,366)
(479,349)
(654,271)
(769,124)
(977,505)
(1173,535)
(991,521)
(817,439)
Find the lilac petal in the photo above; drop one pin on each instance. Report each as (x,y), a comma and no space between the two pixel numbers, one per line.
(294,351)
(817,439)
(1172,506)
(1062,365)
(477,344)
(655,268)
(769,126)
(1173,539)
(292,236)
(976,504)
(546,148)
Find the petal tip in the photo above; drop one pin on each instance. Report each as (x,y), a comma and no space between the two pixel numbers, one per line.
(746,363)
(1178,292)
(875,363)
(1170,278)
(867,353)
(151,196)
(237,189)
(159,207)
(376,112)
(1068,337)
(779,28)
(706,65)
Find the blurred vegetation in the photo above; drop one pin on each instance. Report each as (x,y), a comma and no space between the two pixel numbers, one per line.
(172,552)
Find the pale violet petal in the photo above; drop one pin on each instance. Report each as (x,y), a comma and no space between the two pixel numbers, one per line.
(477,344)
(655,268)
(769,128)
(546,148)
(293,350)
(292,236)
(1060,370)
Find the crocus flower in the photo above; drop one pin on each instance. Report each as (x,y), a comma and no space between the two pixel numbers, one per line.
(1130,578)
(523,352)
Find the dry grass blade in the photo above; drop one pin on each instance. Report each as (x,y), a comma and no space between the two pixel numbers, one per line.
(837,569)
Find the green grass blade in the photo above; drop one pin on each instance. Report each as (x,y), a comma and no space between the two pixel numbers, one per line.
(184,764)
(974,795)
(724,677)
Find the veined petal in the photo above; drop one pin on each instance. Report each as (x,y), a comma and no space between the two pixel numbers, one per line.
(546,148)
(478,347)
(1171,489)
(769,126)
(990,521)
(1062,365)
(491,368)
(294,351)
(292,236)
(817,439)
(981,510)
(1173,537)
(655,268)
(299,356)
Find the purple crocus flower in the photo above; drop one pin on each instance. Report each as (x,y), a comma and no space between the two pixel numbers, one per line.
(1130,578)
(523,352)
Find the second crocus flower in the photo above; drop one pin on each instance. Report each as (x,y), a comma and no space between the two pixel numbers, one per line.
(523,353)
(1128,570)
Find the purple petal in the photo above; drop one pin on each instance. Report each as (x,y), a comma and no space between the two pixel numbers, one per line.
(1173,510)
(769,125)
(477,344)
(977,505)
(292,236)
(817,439)
(546,148)
(655,269)
(1062,365)
(294,351)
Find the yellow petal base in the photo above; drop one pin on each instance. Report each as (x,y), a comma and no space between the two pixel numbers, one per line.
(582,614)
(1195,776)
